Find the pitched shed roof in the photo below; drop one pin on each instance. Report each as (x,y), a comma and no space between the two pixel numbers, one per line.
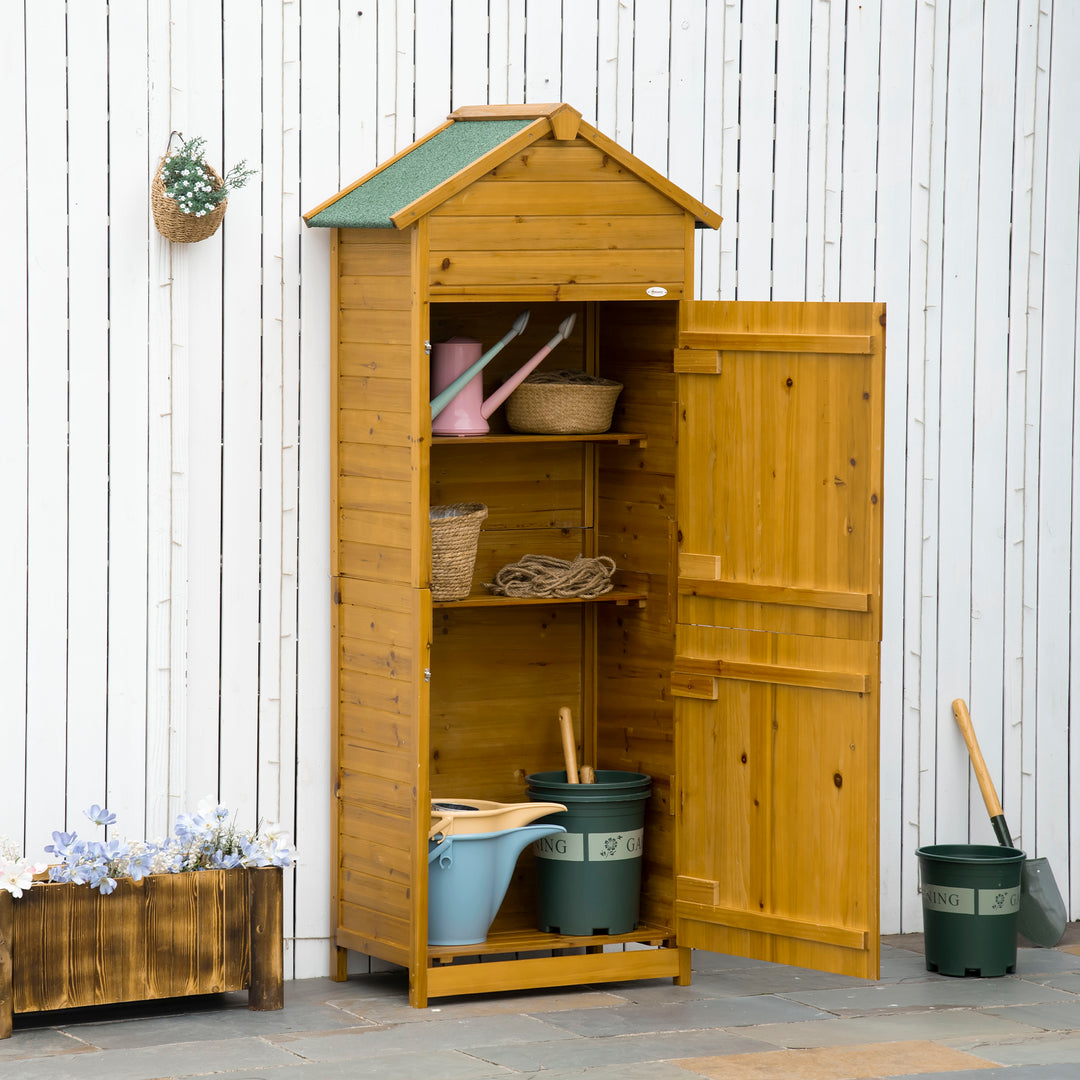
(473,141)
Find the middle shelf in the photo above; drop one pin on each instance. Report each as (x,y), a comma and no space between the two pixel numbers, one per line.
(619,597)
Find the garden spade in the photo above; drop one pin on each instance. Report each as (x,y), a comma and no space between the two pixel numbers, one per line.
(1042,915)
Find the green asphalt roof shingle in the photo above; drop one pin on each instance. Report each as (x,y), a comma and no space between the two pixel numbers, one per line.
(423,168)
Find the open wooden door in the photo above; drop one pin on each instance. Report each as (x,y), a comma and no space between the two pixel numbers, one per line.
(776,675)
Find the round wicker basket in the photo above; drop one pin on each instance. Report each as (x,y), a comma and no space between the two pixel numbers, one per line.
(562,403)
(455,531)
(173,223)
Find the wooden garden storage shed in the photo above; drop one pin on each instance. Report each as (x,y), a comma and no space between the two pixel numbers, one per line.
(739,492)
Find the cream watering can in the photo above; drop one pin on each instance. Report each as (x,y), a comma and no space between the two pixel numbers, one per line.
(458,407)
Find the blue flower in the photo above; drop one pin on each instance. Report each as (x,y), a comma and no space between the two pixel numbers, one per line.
(191,826)
(139,866)
(64,843)
(100,816)
(225,862)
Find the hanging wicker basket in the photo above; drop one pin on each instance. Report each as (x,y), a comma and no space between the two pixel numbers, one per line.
(562,403)
(455,531)
(173,223)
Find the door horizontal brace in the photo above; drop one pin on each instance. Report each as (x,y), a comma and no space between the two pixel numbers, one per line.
(851,344)
(778,925)
(831,599)
(857,682)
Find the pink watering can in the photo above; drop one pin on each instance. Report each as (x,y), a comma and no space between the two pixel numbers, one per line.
(458,407)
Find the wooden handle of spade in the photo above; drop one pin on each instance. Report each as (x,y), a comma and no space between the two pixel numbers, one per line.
(566,724)
(982,773)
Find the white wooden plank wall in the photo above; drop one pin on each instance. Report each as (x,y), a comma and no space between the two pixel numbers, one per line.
(163,407)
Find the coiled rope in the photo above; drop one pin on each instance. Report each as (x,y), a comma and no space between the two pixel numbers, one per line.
(545,576)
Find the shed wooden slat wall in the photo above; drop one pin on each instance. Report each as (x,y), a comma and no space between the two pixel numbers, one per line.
(163,410)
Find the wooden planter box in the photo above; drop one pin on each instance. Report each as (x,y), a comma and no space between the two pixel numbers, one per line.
(63,946)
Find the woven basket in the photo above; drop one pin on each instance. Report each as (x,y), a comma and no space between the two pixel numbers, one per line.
(455,530)
(173,223)
(562,403)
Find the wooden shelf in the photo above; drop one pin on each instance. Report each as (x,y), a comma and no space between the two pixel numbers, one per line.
(619,597)
(515,941)
(618,438)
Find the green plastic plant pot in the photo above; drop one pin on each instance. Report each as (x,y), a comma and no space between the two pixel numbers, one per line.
(971,899)
(588,880)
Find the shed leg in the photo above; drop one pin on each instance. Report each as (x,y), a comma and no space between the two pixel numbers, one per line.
(339,963)
(683,978)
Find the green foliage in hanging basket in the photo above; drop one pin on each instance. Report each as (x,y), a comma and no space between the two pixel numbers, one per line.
(185,174)
(188,195)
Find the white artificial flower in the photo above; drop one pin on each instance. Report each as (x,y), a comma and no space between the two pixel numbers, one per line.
(273,832)
(17,875)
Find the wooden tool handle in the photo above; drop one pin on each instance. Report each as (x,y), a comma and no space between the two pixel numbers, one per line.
(982,773)
(568,745)
(588,774)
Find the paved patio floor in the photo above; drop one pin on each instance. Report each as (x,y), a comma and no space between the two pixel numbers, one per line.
(739,1020)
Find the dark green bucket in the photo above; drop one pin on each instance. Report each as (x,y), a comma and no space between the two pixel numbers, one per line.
(971,898)
(588,880)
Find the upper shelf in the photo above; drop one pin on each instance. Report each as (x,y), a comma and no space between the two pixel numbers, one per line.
(619,438)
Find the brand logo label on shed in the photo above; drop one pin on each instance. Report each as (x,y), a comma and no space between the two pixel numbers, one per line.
(656,290)
(602,847)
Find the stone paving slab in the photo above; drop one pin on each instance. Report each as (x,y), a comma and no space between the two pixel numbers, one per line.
(213,1025)
(1065,980)
(427,1035)
(940,992)
(1043,1049)
(152,1063)
(396,1011)
(1022,1072)
(649,1070)
(617,1050)
(709,961)
(1043,961)
(937,1025)
(39,1042)
(446,1064)
(915,1057)
(685,1016)
(777,979)
(1059,1016)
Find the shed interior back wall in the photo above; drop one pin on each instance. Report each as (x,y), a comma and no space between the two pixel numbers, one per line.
(499,676)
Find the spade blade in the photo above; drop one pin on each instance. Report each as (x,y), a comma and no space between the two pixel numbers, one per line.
(1042,915)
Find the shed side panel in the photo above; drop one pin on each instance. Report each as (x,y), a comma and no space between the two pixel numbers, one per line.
(379,642)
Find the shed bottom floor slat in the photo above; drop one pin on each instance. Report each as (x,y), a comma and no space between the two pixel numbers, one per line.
(572,970)
(531,940)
